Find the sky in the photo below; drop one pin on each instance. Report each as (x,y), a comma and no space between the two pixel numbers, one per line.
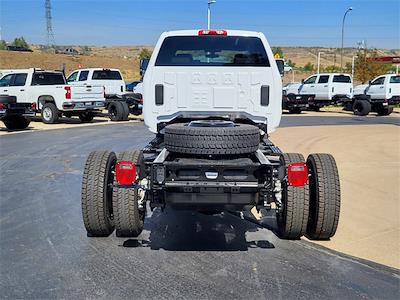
(140,22)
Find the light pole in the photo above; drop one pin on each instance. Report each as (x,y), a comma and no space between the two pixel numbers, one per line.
(341,53)
(209,12)
(318,61)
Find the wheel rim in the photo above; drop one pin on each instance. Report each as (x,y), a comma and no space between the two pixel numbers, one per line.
(113,111)
(47,113)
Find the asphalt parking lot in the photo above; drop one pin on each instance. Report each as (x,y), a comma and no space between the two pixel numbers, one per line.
(179,255)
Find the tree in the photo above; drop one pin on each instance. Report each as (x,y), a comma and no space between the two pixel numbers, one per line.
(277,50)
(291,63)
(364,68)
(331,69)
(308,67)
(20,42)
(145,54)
(3,45)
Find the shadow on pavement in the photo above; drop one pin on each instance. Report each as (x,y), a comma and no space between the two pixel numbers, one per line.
(191,231)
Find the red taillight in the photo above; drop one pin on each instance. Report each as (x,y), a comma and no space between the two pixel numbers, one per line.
(67,92)
(125,172)
(2,106)
(213,32)
(297,174)
(33,105)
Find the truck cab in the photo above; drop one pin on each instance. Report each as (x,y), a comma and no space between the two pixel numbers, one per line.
(213,72)
(328,88)
(380,95)
(110,79)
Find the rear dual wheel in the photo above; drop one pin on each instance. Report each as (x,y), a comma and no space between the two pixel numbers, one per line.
(97,208)
(311,210)
(128,204)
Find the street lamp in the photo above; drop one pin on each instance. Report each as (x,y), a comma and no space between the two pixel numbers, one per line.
(341,53)
(209,12)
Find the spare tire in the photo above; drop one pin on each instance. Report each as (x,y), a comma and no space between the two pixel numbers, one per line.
(211,137)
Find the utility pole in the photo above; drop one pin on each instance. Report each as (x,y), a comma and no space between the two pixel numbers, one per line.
(49,27)
(209,12)
(341,53)
(318,61)
(352,66)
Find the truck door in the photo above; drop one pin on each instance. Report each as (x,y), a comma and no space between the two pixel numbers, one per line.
(309,85)
(377,88)
(16,86)
(321,88)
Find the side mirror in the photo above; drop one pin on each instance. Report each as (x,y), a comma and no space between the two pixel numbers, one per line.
(369,82)
(302,81)
(281,66)
(143,66)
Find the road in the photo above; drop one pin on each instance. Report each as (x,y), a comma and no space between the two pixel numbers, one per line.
(45,252)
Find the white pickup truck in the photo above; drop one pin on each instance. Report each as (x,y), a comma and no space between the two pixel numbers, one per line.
(118,102)
(380,95)
(51,94)
(327,88)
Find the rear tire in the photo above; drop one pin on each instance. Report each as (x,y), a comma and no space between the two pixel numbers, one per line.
(116,111)
(97,193)
(128,217)
(49,113)
(384,110)
(292,220)
(86,116)
(324,196)
(295,110)
(16,122)
(361,107)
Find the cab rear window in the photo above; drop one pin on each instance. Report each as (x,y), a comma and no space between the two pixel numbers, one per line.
(106,75)
(341,78)
(48,78)
(395,79)
(212,51)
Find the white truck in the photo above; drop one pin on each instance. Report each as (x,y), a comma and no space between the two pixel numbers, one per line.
(211,97)
(51,94)
(327,88)
(380,95)
(118,102)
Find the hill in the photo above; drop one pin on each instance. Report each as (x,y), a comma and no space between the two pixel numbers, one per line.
(126,58)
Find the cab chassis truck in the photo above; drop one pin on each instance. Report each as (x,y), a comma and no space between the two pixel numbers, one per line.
(210,154)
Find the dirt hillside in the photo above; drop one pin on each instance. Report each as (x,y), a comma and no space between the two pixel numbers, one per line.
(126,59)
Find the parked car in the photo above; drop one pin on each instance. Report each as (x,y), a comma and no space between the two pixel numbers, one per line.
(15,115)
(52,95)
(328,88)
(211,97)
(118,102)
(380,95)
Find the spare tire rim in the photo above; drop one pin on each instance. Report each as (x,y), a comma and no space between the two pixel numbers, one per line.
(47,113)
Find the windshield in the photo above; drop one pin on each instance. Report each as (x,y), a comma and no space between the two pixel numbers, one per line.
(395,79)
(212,51)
